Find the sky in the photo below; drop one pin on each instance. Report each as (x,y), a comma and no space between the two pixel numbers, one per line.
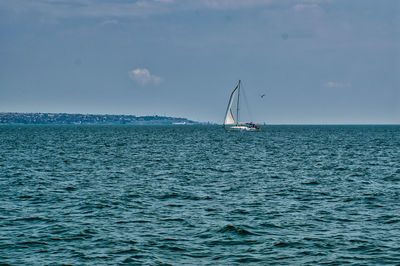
(316,61)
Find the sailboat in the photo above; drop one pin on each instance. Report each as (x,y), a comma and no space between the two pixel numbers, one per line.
(232,124)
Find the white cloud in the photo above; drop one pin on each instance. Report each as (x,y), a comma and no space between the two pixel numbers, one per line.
(228,4)
(116,9)
(109,22)
(311,8)
(89,8)
(165,1)
(334,84)
(311,1)
(301,7)
(143,76)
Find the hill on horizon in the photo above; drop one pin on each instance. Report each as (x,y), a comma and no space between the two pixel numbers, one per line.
(89,119)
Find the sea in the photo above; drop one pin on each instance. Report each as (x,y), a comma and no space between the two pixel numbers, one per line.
(197,195)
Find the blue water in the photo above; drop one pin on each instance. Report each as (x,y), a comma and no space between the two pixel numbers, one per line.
(101,195)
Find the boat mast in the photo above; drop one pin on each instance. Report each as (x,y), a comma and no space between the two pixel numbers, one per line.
(237,108)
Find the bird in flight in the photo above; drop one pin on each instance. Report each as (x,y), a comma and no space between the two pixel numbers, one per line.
(262,95)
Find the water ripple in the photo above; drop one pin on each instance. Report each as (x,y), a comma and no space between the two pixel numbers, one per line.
(197,195)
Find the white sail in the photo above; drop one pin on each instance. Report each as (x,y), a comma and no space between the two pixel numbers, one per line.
(229,120)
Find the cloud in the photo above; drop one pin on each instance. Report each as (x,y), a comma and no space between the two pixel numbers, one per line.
(90,8)
(109,22)
(232,4)
(138,8)
(334,84)
(165,1)
(143,76)
(301,7)
(311,8)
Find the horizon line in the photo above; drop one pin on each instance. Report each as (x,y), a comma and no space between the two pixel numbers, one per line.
(217,123)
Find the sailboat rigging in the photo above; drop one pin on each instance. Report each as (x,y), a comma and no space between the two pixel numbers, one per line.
(232,124)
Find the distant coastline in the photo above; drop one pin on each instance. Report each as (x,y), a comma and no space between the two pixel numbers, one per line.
(9,118)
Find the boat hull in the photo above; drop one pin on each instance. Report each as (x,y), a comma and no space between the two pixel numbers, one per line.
(239,128)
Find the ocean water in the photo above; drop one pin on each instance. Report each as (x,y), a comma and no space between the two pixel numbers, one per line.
(196,195)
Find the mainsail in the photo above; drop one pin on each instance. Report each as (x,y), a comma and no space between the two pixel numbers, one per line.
(229,120)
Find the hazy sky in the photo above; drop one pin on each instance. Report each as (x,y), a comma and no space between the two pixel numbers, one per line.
(317,61)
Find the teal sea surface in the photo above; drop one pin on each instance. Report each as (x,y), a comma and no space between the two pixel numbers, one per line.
(106,195)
